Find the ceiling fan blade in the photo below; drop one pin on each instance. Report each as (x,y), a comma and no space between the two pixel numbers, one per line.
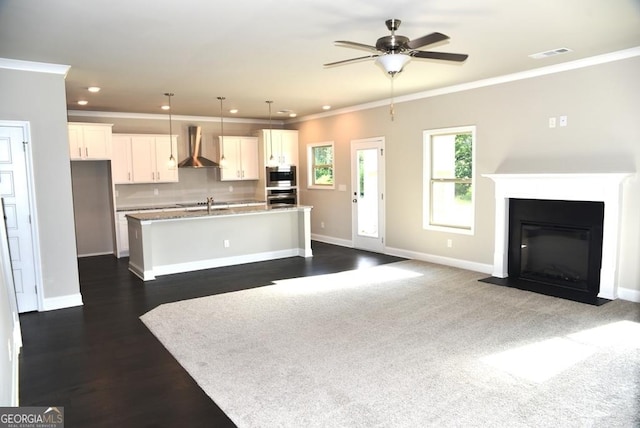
(429,39)
(439,55)
(347,61)
(355,45)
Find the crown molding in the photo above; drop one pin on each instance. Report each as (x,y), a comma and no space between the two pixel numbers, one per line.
(38,67)
(158,116)
(528,74)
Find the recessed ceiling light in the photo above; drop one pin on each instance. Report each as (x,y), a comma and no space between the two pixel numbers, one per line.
(284,111)
(552,52)
(233,111)
(326,107)
(93,89)
(83,102)
(292,114)
(165,107)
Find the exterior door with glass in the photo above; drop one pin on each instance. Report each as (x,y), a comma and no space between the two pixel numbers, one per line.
(367,193)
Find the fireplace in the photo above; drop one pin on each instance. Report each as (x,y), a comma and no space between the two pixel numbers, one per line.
(555,247)
(602,188)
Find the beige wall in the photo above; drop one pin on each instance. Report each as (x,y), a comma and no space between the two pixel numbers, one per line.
(92,207)
(39,98)
(602,105)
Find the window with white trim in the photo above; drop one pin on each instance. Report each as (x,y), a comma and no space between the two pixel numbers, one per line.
(449,165)
(320,162)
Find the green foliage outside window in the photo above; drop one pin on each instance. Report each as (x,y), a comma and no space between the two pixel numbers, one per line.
(463,165)
(322,165)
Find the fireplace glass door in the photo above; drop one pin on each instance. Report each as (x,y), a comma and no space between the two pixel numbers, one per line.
(555,254)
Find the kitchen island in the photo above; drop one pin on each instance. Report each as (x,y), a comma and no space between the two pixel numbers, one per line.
(163,243)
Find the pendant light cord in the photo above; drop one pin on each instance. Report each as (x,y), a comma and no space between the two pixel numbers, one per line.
(391,105)
(221,130)
(270,131)
(172,160)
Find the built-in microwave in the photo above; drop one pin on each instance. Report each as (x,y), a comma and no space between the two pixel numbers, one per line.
(281,176)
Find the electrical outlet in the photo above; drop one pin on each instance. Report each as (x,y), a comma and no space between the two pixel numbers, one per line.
(155,192)
(226,243)
(230,189)
(552,122)
(322,225)
(449,243)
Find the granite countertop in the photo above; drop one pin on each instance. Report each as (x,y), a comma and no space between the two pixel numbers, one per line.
(174,215)
(190,205)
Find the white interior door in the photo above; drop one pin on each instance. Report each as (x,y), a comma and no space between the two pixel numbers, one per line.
(367,194)
(14,191)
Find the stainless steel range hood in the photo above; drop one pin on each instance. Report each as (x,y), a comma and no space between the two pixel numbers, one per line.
(195,160)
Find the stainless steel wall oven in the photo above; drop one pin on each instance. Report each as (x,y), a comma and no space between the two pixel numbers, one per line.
(282,197)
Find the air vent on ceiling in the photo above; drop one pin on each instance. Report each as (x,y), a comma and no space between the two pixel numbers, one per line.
(552,52)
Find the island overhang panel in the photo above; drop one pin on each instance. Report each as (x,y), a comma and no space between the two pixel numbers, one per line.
(168,243)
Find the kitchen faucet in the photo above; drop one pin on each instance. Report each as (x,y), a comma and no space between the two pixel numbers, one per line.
(209,203)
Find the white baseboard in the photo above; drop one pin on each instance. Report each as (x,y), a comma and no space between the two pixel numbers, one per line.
(140,273)
(61,302)
(398,252)
(95,254)
(629,294)
(331,240)
(224,261)
(14,355)
(447,261)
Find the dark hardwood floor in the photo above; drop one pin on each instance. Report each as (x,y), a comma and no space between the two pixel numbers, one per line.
(105,368)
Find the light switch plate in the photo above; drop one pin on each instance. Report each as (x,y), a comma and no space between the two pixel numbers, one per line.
(563,120)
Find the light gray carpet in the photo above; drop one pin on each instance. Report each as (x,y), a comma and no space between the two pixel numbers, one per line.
(405,345)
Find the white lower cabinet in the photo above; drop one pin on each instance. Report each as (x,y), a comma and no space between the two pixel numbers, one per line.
(122,234)
(122,230)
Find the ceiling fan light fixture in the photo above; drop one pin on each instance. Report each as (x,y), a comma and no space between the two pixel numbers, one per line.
(393,63)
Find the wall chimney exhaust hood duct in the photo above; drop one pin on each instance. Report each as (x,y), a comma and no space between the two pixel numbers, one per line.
(195,160)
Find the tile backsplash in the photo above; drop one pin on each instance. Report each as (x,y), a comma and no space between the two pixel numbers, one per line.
(196,184)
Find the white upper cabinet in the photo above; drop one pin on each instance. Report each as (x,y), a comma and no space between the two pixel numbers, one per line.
(163,149)
(241,158)
(121,165)
(283,148)
(89,141)
(141,158)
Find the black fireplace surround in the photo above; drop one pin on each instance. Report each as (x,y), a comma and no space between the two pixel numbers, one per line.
(555,248)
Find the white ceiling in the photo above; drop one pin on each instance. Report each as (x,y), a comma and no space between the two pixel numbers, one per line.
(255,50)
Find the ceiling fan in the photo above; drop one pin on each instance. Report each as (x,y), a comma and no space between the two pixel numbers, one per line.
(393,52)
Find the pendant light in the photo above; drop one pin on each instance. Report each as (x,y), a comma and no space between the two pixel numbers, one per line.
(223,160)
(271,158)
(172,161)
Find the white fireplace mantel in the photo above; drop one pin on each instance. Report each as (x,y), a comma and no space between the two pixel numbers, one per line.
(596,187)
